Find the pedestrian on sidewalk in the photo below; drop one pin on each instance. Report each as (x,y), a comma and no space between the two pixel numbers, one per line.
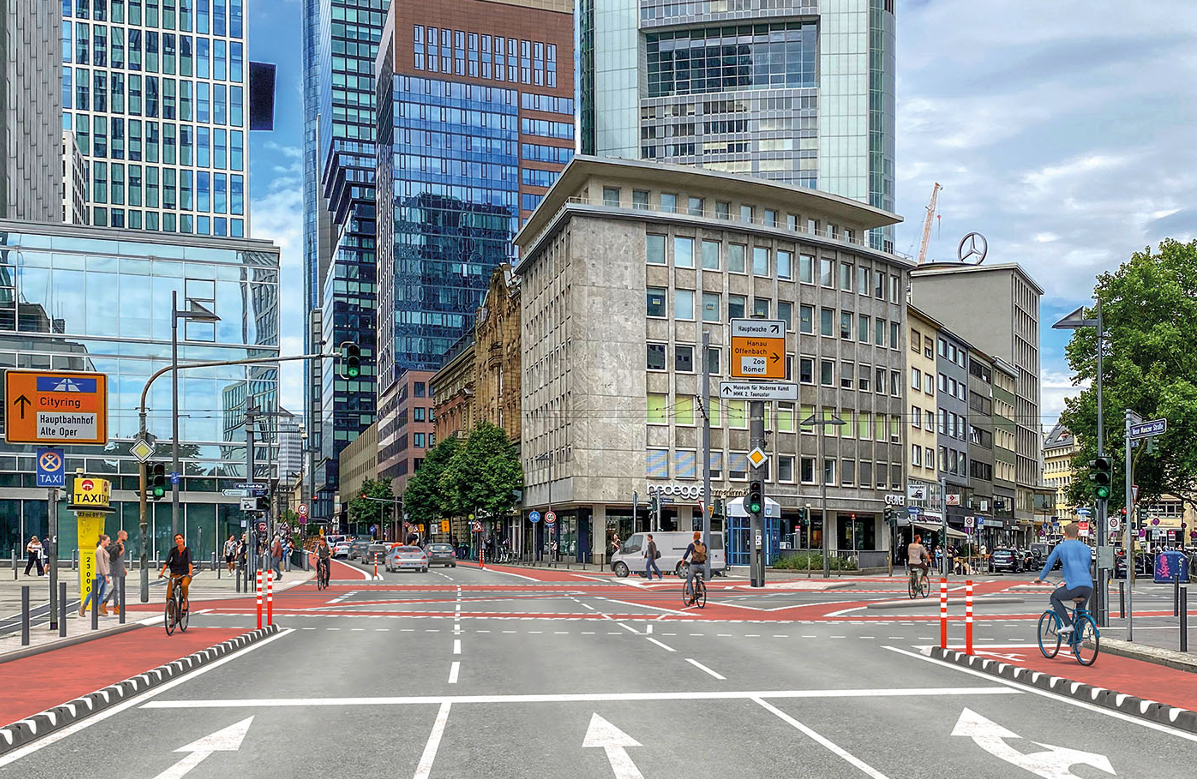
(287,553)
(276,555)
(34,548)
(100,584)
(651,555)
(116,569)
(230,552)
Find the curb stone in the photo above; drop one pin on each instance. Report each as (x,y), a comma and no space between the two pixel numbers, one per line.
(1153,711)
(22,732)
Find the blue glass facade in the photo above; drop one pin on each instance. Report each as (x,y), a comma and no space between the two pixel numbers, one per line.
(91,299)
(155,94)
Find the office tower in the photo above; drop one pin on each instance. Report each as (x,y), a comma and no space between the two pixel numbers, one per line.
(156,94)
(475,120)
(796,91)
(30,111)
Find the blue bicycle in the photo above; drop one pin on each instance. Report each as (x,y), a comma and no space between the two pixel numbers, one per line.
(1084,640)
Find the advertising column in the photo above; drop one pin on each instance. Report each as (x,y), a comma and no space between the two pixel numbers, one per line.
(90,500)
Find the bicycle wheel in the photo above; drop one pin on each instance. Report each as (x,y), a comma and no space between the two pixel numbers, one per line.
(1049,639)
(912,587)
(184,613)
(924,586)
(700,594)
(1086,641)
(687,595)
(169,620)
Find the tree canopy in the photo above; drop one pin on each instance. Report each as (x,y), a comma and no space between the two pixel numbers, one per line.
(372,512)
(1149,307)
(485,475)
(423,499)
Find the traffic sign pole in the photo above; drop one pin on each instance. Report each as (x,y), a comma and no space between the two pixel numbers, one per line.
(1130,548)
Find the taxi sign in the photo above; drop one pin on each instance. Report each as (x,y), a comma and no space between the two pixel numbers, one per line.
(55,407)
(758,349)
(91,494)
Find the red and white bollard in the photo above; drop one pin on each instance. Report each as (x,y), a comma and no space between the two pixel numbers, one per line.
(259,600)
(968,617)
(943,613)
(270,597)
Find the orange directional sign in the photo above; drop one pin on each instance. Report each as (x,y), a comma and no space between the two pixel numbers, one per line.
(758,349)
(55,407)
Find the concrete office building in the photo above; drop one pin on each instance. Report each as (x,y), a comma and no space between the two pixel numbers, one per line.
(157,97)
(622,268)
(996,308)
(99,299)
(74,182)
(30,110)
(922,471)
(952,424)
(796,91)
(1005,455)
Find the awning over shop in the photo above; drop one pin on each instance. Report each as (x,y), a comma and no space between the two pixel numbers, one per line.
(952,532)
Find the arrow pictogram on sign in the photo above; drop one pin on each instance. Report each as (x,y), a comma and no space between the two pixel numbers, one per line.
(22,402)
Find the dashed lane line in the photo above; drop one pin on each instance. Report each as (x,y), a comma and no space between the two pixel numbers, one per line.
(453,671)
(702,667)
(666,647)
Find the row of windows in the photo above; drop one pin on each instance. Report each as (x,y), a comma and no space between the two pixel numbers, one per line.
(210,193)
(167,143)
(952,387)
(922,457)
(563,130)
(716,59)
(145,50)
(184,100)
(782,417)
(534,152)
(851,473)
(481,56)
(530,101)
(167,222)
(218,17)
(538,178)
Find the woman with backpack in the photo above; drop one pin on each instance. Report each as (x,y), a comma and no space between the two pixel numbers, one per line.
(651,555)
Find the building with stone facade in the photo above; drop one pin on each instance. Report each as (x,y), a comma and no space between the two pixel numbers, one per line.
(497,355)
(922,471)
(452,390)
(622,268)
(1059,447)
(1005,455)
(359,461)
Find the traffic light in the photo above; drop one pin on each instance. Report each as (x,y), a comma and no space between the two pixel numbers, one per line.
(756,497)
(263,503)
(717,508)
(803,516)
(157,481)
(1101,474)
(654,506)
(891,516)
(351,361)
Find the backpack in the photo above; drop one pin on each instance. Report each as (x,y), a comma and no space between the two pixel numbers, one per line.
(700,552)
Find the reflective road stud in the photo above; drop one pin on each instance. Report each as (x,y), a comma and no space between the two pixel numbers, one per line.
(968,617)
(943,613)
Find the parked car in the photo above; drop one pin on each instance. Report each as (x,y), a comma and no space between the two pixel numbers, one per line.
(1144,565)
(441,554)
(358,548)
(1005,560)
(671,545)
(341,549)
(407,557)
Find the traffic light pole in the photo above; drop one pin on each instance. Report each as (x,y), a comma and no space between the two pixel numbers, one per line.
(756,528)
(705,463)
(1099,600)
(1130,547)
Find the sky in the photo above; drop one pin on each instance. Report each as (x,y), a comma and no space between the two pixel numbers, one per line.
(1062,131)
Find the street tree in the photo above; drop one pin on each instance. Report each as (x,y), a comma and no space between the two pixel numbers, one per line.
(423,499)
(485,476)
(378,511)
(1149,307)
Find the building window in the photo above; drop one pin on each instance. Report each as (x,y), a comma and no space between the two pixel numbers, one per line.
(916,341)
(829,472)
(825,273)
(655,249)
(684,464)
(710,306)
(656,463)
(656,357)
(656,302)
(862,329)
(713,370)
(657,413)
(826,321)
(895,383)
(640,199)
(760,261)
(806,268)
(710,255)
(847,375)
(746,214)
(722,210)
(806,370)
(846,325)
(737,466)
(736,258)
(916,416)
(683,410)
(863,382)
(785,312)
(845,277)
(808,470)
(760,307)
(827,373)
(683,252)
(785,468)
(785,265)
(736,414)
(879,332)
(716,465)
(696,206)
(669,203)
(735,306)
(848,473)
(683,359)
(916,378)
(806,319)
(862,281)
(611,196)
(770,218)
(683,304)
(895,336)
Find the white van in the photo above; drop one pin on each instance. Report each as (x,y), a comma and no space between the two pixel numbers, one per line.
(630,557)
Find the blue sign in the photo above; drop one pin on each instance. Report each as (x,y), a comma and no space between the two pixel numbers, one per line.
(980,522)
(913,511)
(1145,430)
(1084,512)
(51,468)
(534,517)
(174,478)
(65,384)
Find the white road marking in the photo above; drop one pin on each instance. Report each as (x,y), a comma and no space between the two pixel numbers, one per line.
(614,743)
(1053,763)
(864,767)
(136,700)
(224,740)
(457,646)
(424,769)
(702,667)
(598,697)
(453,671)
(646,606)
(666,647)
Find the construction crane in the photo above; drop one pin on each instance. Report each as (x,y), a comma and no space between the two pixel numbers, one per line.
(927,224)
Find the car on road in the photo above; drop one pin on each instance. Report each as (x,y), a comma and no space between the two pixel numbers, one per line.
(1005,560)
(376,551)
(671,545)
(407,558)
(358,548)
(341,549)
(1144,565)
(441,554)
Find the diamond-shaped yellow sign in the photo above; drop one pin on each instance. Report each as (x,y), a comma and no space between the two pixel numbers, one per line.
(757,457)
(141,449)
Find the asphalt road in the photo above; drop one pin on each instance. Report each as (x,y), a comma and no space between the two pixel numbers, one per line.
(463,682)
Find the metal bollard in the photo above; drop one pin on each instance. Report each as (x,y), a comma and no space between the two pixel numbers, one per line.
(62,609)
(1184,619)
(14,564)
(74,559)
(95,604)
(121,594)
(1122,598)
(25,615)
(1176,594)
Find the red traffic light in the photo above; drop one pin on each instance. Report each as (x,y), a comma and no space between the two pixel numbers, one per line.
(363,496)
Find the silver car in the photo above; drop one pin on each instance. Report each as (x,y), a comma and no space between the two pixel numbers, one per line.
(407,558)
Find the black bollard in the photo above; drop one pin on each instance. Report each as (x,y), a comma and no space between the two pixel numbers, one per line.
(25,615)
(121,595)
(62,609)
(95,604)
(1184,619)
(1122,598)
(1176,594)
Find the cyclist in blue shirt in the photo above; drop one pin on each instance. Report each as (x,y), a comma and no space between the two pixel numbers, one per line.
(1075,556)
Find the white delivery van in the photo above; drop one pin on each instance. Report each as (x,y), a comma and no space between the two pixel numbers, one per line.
(672,545)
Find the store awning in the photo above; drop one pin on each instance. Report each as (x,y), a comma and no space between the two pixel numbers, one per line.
(952,532)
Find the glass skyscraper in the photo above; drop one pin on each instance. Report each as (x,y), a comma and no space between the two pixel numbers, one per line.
(99,299)
(475,120)
(796,90)
(155,92)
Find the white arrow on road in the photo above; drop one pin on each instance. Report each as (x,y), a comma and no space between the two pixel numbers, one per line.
(614,742)
(224,740)
(1052,764)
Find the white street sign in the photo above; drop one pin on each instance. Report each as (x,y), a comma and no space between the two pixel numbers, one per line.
(226,740)
(615,743)
(249,504)
(970,521)
(759,328)
(758,390)
(1113,523)
(1054,763)
(234,493)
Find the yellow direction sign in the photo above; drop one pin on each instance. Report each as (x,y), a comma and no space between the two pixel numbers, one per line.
(55,407)
(758,349)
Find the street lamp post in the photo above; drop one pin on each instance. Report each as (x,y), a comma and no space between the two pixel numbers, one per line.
(835,420)
(195,313)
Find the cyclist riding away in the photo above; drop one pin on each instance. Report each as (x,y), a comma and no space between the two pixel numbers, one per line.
(1075,557)
(696,553)
(323,559)
(181,570)
(917,556)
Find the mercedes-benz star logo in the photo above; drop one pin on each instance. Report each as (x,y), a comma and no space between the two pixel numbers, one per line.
(973,248)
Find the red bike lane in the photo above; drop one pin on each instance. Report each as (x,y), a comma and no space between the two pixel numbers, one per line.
(33,684)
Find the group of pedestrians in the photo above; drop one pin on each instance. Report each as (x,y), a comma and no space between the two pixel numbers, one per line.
(110,574)
(37,556)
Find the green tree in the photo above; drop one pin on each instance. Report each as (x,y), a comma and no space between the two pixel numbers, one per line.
(365,512)
(1149,307)
(485,476)
(423,499)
